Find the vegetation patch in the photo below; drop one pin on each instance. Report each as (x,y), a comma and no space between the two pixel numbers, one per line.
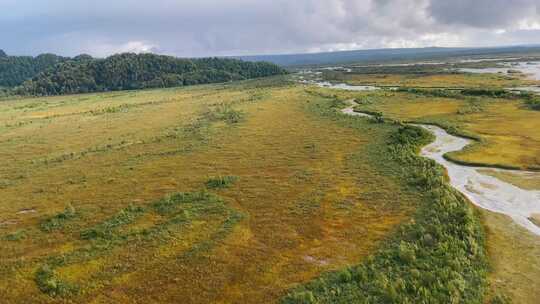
(494,93)
(16,236)
(226,114)
(533,103)
(175,212)
(48,282)
(105,230)
(220,182)
(58,221)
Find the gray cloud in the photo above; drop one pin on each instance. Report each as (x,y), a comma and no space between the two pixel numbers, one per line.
(484,13)
(226,27)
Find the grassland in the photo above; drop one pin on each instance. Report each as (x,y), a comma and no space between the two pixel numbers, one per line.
(506,128)
(254,192)
(513,252)
(507,134)
(429,80)
(437,257)
(209,194)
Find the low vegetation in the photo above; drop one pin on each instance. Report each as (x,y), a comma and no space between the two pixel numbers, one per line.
(177,211)
(226,192)
(220,182)
(533,103)
(439,257)
(58,221)
(254,191)
(433,81)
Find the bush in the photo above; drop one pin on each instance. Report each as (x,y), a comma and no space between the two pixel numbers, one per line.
(105,229)
(496,93)
(533,103)
(48,282)
(16,236)
(226,114)
(220,182)
(59,220)
(430,92)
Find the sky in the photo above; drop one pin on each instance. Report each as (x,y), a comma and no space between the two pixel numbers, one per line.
(194,28)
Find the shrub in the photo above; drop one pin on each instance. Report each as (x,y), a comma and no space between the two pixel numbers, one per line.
(226,114)
(170,204)
(59,220)
(496,93)
(105,229)
(430,92)
(16,236)
(533,103)
(221,182)
(48,282)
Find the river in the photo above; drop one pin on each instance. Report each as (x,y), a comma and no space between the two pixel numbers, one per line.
(484,191)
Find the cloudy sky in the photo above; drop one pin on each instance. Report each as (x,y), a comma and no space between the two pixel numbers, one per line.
(239,27)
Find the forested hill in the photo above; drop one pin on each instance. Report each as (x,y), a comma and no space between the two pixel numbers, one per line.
(14,70)
(83,74)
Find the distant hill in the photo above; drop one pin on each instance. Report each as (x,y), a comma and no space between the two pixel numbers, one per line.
(130,71)
(379,55)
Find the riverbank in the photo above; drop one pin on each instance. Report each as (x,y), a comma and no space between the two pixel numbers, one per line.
(483,190)
(437,257)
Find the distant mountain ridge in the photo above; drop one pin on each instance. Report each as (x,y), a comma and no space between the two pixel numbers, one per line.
(377,55)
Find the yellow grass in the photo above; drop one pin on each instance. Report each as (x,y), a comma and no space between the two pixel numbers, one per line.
(311,200)
(509,130)
(524,180)
(435,80)
(511,137)
(514,256)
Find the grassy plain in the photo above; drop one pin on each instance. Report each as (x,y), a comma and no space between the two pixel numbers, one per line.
(514,257)
(507,128)
(209,194)
(431,80)
(509,136)
(234,193)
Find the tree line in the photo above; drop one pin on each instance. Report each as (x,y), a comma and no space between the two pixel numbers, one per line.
(83,74)
(14,70)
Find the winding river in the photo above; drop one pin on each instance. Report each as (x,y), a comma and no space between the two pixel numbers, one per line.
(482,190)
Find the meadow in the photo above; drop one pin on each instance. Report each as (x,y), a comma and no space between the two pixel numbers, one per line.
(205,194)
(505,128)
(258,191)
(429,80)
(505,131)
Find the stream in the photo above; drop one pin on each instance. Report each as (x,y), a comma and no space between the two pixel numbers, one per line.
(484,191)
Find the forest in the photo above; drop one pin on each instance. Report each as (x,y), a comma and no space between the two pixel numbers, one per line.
(14,70)
(49,74)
